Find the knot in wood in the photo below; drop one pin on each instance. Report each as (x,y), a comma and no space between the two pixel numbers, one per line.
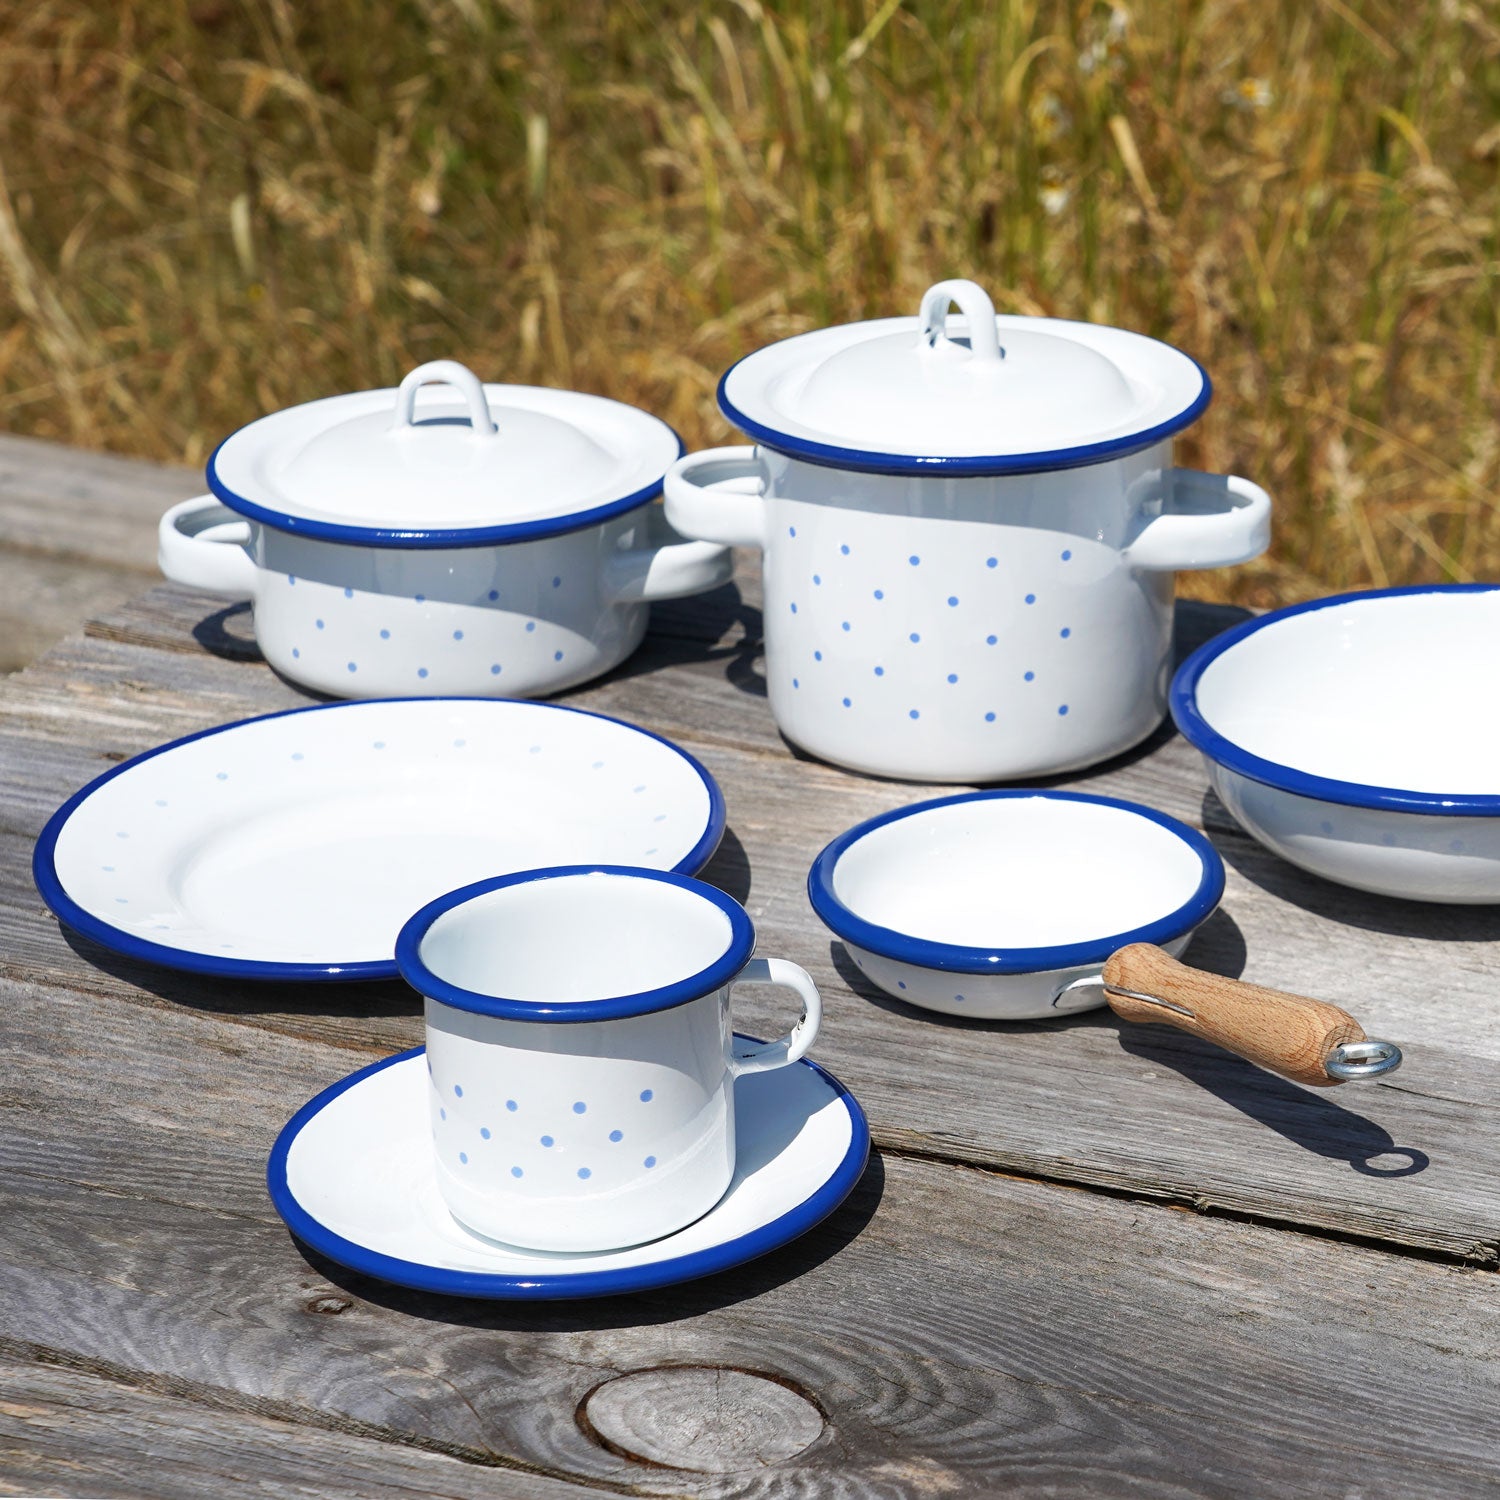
(701,1417)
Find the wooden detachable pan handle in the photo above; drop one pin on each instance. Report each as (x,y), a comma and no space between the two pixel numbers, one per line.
(1305,1040)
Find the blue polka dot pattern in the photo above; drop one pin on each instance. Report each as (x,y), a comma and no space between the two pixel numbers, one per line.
(796,683)
(1062,708)
(794,609)
(584,1172)
(845,625)
(510,1104)
(442,1113)
(463,1156)
(580,1107)
(458,1090)
(915,714)
(817,656)
(458,635)
(646,1096)
(952,601)
(353,667)
(295,653)
(880,593)
(484,1132)
(953,677)
(915,637)
(557,656)
(547,1140)
(1066,555)
(516,1172)
(348,593)
(817,581)
(1031,677)
(617,1135)
(989,718)
(649,1162)
(1066,633)
(385,635)
(914,560)
(530,625)
(1031,598)
(493,595)
(992,562)
(880,671)
(990,640)
(421,671)
(495,669)
(318,623)
(845,549)
(848,703)
(557,583)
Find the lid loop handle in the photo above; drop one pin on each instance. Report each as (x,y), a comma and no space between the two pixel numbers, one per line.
(445,372)
(974,303)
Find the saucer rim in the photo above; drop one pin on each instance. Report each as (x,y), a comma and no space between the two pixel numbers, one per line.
(97,929)
(806,1215)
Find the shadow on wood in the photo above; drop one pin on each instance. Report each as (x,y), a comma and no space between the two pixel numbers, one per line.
(1307,1119)
(669,1304)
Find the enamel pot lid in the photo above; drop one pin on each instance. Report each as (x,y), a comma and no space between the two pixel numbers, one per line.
(443,461)
(969,395)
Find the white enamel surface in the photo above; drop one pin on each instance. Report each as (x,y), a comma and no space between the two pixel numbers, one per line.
(311,837)
(523,941)
(1416,856)
(582,1135)
(1038,648)
(344,460)
(990,997)
(506,620)
(363,1167)
(1388,692)
(880,388)
(1016,872)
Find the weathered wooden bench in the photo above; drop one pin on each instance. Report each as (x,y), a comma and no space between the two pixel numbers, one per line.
(1085,1260)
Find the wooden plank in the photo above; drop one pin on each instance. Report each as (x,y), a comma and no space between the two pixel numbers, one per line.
(65,1431)
(962,1332)
(1413,1161)
(77,537)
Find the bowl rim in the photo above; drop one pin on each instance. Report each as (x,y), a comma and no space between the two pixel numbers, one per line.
(1220,750)
(958,958)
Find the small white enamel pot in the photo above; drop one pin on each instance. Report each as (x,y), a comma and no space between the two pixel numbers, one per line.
(1016,905)
(579,1050)
(1354,736)
(970,529)
(399,543)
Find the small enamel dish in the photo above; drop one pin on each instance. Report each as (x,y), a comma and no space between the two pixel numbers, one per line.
(354,1177)
(1016,905)
(1355,737)
(294,846)
(993,904)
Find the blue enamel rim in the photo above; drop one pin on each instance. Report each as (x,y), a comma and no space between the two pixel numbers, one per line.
(737,950)
(796,1221)
(453,536)
(867,461)
(1199,732)
(955,958)
(49,883)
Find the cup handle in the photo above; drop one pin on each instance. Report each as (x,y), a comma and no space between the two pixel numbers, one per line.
(794,1044)
(1206,521)
(202,544)
(735,516)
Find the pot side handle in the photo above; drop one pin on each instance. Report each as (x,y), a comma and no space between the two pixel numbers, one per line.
(202,543)
(718,496)
(1308,1041)
(1206,521)
(666,567)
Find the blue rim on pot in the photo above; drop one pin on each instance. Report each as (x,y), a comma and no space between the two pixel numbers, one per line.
(890,942)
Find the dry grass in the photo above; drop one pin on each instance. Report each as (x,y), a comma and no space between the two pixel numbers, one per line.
(210,209)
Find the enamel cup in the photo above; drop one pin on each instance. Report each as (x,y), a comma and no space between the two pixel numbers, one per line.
(580,1056)
(970,528)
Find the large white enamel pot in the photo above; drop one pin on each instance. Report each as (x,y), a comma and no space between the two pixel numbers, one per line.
(395,543)
(970,529)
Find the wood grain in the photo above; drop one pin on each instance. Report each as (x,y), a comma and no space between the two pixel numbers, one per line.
(702,1418)
(77,536)
(1287,1034)
(1412,1161)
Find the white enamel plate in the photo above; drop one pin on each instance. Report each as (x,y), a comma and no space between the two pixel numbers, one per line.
(294,846)
(352,1174)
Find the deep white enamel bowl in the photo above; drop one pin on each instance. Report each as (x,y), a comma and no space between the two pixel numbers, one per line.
(1355,736)
(1005,905)
(294,846)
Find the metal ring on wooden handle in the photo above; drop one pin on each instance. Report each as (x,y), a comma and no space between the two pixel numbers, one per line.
(1308,1041)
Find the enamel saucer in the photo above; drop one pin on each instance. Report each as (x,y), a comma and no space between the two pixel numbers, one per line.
(293,846)
(352,1175)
